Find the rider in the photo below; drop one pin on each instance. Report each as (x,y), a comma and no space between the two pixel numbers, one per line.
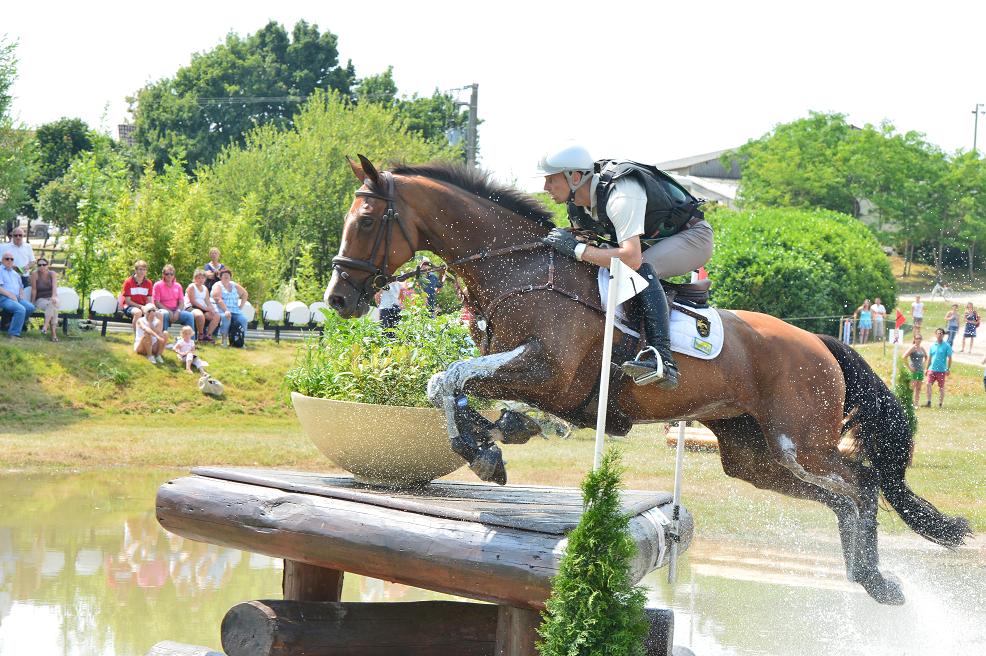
(623,209)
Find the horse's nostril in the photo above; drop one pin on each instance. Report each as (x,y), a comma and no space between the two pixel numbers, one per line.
(337,302)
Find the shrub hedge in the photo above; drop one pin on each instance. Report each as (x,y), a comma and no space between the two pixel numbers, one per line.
(793,263)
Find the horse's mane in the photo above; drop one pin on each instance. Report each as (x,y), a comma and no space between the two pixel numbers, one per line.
(478,182)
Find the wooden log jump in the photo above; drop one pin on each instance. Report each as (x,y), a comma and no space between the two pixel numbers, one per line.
(490,543)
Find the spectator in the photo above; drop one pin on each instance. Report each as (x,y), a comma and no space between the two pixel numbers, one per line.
(229,297)
(917,313)
(915,356)
(169,296)
(952,324)
(430,284)
(201,306)
(150,337)
(22,252)
(185,350)
(971,324)
(879,320)
(939,364)
(984,373)
(11,287)
(136,292)
(44,295)
(865,315)
(212,268)
(389,301)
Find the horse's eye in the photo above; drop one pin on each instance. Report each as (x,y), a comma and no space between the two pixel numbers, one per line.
(365,223)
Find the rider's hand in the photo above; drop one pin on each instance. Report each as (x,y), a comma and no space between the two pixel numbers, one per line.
(562,241)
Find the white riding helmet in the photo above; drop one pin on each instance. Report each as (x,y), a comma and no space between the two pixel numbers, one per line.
(570,158)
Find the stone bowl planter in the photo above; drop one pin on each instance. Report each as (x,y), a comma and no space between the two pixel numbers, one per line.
(390,446)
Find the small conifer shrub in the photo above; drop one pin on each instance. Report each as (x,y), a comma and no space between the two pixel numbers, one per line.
(905,394)
(594,608)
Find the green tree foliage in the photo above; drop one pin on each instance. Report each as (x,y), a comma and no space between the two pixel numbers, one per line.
(905,394)
(173,220)
(299,177)
(239,85)
(57,143)
(58,203)
(594,608)
(99,178)
(797,263)
(800,164)
(16,145)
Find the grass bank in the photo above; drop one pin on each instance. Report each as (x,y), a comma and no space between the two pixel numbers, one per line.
(89,402)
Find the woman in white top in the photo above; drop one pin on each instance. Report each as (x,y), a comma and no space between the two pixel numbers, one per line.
(150,337)
(201,306)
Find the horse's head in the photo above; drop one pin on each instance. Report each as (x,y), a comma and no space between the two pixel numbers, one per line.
(375,242)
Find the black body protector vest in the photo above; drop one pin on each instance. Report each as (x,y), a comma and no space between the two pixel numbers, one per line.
(670,207)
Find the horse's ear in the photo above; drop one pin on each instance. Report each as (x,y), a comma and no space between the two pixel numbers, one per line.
(357,171)
(369,170)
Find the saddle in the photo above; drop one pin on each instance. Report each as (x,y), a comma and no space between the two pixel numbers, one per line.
(694,294)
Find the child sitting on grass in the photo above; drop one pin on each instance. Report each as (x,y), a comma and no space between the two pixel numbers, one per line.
(185,350)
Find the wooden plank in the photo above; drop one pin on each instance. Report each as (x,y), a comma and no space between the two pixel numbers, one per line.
(170,648)
(468,559)
(516,632)
(304,582)
(535,508)
(422,628)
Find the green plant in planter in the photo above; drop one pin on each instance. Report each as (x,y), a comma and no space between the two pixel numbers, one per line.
(353,360)
(594,609)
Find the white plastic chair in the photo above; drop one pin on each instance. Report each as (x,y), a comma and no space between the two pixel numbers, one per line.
(316,310)
(272,311)
(68,300)
(101,301)
(297,313)
(248,311)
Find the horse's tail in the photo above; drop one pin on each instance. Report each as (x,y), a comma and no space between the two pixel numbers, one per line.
(888,444)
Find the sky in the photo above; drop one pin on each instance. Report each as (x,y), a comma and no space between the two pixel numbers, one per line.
(651,81)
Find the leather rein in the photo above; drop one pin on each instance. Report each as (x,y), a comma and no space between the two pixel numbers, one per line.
(378,277)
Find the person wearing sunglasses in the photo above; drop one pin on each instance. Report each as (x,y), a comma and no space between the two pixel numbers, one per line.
(44,295)
(169,296)
(22,252)
(11,287)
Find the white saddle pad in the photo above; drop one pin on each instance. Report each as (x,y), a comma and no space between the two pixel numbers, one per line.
(685,336)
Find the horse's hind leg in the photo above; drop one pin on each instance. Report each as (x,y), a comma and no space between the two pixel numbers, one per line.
(866,571)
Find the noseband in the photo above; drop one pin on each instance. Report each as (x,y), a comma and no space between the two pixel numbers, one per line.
(377,277)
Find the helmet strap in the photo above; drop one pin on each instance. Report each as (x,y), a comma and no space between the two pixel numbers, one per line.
(572,187)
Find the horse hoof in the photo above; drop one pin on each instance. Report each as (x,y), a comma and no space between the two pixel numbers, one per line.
(884,590)
(465,448)
(517,428)
(488,465)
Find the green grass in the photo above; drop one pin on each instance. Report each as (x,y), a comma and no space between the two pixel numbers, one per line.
(89,402)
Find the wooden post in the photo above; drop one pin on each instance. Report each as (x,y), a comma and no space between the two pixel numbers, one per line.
(170,648)
(420,628)
(304,582)
(516,631)
(661,635)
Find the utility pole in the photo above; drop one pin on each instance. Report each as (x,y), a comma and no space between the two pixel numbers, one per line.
(975,125)
(472,136)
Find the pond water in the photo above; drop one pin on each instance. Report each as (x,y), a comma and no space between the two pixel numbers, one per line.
(85,570)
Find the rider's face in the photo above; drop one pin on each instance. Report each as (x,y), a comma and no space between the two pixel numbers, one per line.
(557,187)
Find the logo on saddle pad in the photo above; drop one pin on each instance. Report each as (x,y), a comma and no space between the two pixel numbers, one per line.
(702,346)
(704,328)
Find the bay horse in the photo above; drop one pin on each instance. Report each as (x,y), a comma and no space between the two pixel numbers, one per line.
(779,399)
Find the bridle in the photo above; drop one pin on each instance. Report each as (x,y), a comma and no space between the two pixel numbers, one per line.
(377,278)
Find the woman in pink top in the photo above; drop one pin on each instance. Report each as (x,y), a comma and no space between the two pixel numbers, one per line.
(169,296)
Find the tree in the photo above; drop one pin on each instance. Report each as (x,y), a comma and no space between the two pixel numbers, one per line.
(800,164)
(16,145)
(56,144)
(243,83)
(594,608)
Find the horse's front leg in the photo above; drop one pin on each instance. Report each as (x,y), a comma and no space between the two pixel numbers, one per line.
(471,435)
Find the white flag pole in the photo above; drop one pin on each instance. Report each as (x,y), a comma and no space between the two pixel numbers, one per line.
(893,376)
(614,264)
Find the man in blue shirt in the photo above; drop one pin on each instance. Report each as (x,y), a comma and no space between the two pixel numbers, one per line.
(10,295)
(939,364)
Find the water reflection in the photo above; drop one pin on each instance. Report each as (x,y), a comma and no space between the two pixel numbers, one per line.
(86,570)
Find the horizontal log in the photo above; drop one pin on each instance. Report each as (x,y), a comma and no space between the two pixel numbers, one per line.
(470,559)
(170,648)
(422,628)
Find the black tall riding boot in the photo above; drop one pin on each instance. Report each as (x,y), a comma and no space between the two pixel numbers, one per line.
(654,364)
